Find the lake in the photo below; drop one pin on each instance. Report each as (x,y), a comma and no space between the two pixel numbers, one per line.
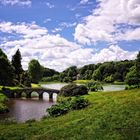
(106,87)
(24,109)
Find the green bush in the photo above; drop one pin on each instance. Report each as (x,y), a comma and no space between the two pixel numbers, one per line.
(67,105)
(3,109)
(94,86)
(131,87)
(58,109)
(78,103)
(73,90)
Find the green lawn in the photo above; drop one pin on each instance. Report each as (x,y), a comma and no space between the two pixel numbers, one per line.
(81,81)
(110,116)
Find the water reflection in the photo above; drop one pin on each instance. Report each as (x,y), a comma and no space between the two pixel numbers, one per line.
(24,109)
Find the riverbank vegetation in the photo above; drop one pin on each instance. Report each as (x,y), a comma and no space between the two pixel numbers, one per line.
(3,107)
(110,116)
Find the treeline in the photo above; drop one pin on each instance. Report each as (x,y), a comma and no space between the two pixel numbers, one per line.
(121,71)
(12,73)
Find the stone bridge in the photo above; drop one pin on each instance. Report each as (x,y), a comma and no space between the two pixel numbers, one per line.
(17,93)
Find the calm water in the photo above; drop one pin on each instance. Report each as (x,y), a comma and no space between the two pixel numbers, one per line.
(113,87)
(106,87)
(25,109)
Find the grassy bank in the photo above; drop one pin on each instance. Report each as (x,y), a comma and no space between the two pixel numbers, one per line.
(110,116)
(3,100)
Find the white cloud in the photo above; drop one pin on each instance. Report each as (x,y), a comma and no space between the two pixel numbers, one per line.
(113,53)
(102,24)
(54,51)
(16,2)
(84,1)
(28,30)
(55,30)
(49,5)
(47,20)
(67,25)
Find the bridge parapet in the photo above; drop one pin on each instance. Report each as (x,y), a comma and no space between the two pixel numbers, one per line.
(17,93)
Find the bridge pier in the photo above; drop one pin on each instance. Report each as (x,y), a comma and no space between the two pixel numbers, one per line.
(18,95)
(41,96)
(50,96)
(28,95)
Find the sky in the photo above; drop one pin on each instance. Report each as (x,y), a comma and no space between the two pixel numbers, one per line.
(64,33)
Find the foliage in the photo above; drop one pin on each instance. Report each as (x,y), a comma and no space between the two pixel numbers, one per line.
(63,107)
(78,103)
(3,107)
(25,79)
(131,77)
(109,79)
(73,90)
(49,72)
(69,75)
(58,109)
(138,66)
(35,71)
(16,63)
(94,86)
(6,70)
(50,79)
(110,116)
(127,87)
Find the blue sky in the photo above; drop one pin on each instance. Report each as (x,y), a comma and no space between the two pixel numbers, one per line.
(64,33)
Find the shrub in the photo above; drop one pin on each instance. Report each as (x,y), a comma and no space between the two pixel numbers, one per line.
(131,87)
(73,90)
(58,109)
(67,105)
(3,109)
(78,103)
(94,86)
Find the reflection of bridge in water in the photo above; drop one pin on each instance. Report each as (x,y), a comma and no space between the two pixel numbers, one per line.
(17,93)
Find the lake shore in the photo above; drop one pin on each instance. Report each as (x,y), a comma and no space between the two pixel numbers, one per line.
(110,115)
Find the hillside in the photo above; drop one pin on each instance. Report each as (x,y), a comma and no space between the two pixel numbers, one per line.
(110,116)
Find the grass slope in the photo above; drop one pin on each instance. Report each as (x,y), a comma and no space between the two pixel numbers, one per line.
(110,116)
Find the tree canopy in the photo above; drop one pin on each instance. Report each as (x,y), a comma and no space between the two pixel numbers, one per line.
(6,70)
(16,62)
(35,71)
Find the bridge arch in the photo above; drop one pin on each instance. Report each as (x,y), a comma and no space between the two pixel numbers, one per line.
(17,93)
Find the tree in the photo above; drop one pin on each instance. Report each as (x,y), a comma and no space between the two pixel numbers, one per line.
(6,70)
(138,65)
(131,77)
(35,71)
(25,79)
(16,62)
(97,75)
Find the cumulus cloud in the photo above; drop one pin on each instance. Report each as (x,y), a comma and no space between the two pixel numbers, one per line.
(102,24)
(54,51)
(16,2)
(26,30)
(113,53)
